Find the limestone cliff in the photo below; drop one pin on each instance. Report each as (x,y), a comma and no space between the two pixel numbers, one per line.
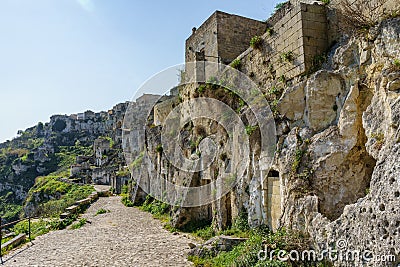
(335,172)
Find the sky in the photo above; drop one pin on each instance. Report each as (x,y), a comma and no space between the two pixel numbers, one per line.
(69,56)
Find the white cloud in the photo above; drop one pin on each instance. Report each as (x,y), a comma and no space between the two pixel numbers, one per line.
(86,5)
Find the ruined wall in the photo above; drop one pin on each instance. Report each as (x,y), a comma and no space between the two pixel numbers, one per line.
(221,38)
(203,39)
(294,28)
(234,34)
(135,117)
(103,175)
(290,46)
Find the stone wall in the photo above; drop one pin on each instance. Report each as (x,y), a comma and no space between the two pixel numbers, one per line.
(234,35)
(103,175)
(203,39)
(291,45)
(221,38)
(294,28)
(162,109)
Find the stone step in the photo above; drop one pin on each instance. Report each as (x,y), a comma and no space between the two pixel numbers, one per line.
(64,215)
(9,235)
(83,202)
(15,241)
(94,196)
(72,209)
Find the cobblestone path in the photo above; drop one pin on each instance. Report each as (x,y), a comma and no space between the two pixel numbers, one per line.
(122,237)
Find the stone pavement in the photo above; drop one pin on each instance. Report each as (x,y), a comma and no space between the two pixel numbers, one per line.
(122,237)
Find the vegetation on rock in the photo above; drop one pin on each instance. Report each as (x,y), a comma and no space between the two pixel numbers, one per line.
(256,42)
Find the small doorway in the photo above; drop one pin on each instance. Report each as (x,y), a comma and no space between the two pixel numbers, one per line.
(272,198)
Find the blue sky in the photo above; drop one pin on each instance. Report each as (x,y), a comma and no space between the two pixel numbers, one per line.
(68,56)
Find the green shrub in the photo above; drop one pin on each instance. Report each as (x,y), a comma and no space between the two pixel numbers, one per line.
(198,262)
(201,88)
(297,160)
(123,173)
(251,129)
(275,90)
(241,222)
(396,63)
(79,224)
(63,194)
(269,31)
(236,64)
(287,56)
(240,226)
(101,211)
(9,211)
(279,6)
(205,233)
(126,200)
(274,106)
(62,224)
(282,79)
(159,148)
(124,189)
(38,227)
(246,253)
(256,42)
(155,207)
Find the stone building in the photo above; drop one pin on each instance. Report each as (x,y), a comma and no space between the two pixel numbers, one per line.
(119,180)
(221,38)
(101,147)
(290,41)
(103,175)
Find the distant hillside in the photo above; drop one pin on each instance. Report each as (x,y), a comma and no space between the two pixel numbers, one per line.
(50,149)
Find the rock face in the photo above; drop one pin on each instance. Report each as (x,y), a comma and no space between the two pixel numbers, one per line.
(354,158)
(324,96)
(336,168)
